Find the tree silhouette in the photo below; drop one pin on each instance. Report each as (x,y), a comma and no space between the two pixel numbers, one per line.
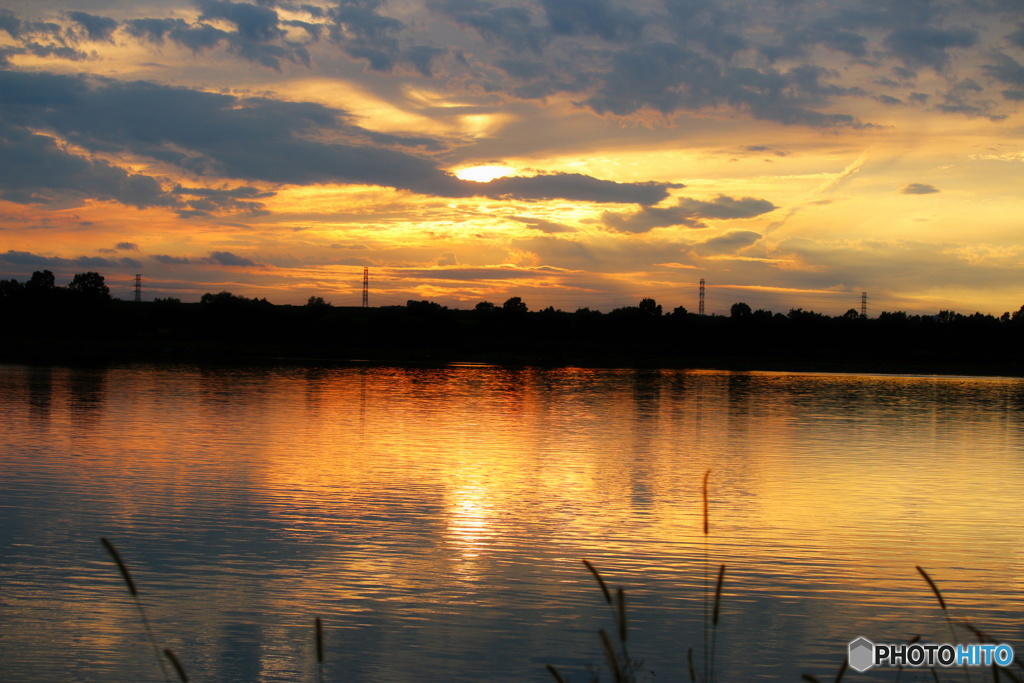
(740,310)
(41,281)
(650,307)
(318,302)
(90,286)
(514,305)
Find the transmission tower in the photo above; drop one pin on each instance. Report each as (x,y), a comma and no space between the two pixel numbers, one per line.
(138,286)
(700,306)
(366,287)
(863,305)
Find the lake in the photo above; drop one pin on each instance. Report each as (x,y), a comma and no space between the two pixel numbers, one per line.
(435,519)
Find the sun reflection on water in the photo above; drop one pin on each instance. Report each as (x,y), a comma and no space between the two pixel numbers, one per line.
(442,513)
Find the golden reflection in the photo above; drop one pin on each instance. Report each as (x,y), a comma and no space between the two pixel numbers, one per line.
(469,518)
(390,482)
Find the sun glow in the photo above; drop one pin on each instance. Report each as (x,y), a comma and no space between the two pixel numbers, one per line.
(483,174)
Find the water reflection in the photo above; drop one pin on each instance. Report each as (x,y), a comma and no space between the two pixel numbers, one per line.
(435,517)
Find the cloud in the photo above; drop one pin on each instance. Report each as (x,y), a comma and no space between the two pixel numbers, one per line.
(509,26)
(920,46)
(196,38)
(226,258)
(38,171)
(127,246)
(919,188)
(543,225)
(220,258)
(253,22)
(729,243)
(97,28)
(688,212)
(212,201)
(570,186)
(669,78)
(593,17)
(492,273)
(254,139)
(29,259)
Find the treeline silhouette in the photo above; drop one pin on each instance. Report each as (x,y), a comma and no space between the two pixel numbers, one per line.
(82,322)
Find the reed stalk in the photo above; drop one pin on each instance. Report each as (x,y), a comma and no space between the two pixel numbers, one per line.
(945,612)
(612,657)
(555,674)
(707,664)
(600,581)
(622,668)
(138,603)
(178,668)
(319,628)
(714,618)
(842,670)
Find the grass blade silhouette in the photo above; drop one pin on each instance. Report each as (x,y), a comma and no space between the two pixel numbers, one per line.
(319,648)
(138,603)
(554,673)
(707,595)
(842,669)
(714,617)
(612,657)
(600,582)
(177,665)
(945,612)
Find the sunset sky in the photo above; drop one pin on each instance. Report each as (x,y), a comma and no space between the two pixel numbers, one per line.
(572,152)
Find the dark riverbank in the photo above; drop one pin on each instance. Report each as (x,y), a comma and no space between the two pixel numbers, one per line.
(239,330)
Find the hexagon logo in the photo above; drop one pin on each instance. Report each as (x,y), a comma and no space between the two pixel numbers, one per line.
(862,654)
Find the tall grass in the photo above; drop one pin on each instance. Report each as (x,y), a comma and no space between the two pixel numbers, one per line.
(127,576)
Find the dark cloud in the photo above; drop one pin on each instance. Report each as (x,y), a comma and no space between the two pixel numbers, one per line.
(688,212)
(36,170)
(207,202)
(97,28)
(669,78)
(920,46)
(220,258)
(1017,37)
(510,26)
(235,193)
(1007,70)
(571,186)
(962,98)
(422,57)
(127,246)
(255,139)
(28,259)
(593,17)
(365,34)
(919,188)
(252,21)
(226,258)
(10,22)
(360,19)
(258,36)
(196,38)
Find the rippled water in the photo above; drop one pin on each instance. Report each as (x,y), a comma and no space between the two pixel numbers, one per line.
(435,518)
